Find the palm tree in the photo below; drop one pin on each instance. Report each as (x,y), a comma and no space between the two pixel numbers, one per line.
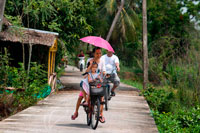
(145,50)
(115,20)
(2,6)
(124,20)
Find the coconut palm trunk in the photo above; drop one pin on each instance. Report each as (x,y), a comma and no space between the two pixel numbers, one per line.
(115,20)
(2,6)
(145,49)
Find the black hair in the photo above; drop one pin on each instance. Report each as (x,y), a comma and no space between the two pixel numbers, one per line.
(94,63)
(94,49)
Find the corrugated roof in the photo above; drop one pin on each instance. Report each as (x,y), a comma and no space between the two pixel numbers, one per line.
(27,35)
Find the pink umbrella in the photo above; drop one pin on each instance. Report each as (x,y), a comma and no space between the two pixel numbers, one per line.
(98,42)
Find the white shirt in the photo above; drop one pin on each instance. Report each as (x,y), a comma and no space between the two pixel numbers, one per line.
(110,62)
(101,65)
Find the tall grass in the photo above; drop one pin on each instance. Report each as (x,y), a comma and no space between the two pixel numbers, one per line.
(184,75)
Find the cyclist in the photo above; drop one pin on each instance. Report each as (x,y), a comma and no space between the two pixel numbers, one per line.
(112,61)
(101,68)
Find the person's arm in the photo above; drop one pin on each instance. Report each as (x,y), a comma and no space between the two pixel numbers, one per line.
(99,76)
(89,67)
(117,63)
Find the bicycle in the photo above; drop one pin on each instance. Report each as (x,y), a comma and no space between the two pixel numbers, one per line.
(97,90)
(107,96)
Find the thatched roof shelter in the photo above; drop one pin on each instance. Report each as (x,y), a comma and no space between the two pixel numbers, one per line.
(26,35)
(11,36)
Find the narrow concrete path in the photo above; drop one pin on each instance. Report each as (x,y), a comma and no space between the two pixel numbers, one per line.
(128,112)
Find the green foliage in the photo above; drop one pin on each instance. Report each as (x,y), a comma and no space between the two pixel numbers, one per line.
(127,31)
(72,19)
(166,122)
(168,114)
(4,67)
(37,78)
(27,88)
(16,20)
(158,99)
(132,83)
(18,77)
(184,121)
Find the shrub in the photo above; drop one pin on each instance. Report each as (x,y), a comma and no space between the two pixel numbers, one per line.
(29,87)
(186,121)
(158,99)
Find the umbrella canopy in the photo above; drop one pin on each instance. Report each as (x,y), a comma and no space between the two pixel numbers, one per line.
(98,42)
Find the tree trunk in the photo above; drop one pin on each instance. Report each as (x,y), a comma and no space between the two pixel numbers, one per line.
(2,6)
(115,20)
(23,54)
(29,60)
(145,49)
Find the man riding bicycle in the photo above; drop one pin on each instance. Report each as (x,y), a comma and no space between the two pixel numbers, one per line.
(112,64)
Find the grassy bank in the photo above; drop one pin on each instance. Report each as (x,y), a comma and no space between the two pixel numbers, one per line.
(173,105)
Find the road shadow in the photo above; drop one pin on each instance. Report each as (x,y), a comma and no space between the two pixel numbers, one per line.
(74,125)
(70,86)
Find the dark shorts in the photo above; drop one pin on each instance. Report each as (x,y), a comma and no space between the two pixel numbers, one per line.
(114,79)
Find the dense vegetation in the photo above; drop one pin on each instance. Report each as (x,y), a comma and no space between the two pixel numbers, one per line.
(25,89)
(173,45)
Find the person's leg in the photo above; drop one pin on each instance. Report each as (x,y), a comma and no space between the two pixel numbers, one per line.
(88,98)
(114,87)
(78,103)
(116,82)
(85,98)
(75,115)
(101,119)
(84,95)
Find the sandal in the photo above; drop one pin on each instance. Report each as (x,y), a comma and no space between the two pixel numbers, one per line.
(74,116)
(102,119)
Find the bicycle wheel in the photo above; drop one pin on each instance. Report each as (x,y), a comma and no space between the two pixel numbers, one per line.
(106,98)
(95,113)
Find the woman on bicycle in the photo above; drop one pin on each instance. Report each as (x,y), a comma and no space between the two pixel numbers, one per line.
(102,69)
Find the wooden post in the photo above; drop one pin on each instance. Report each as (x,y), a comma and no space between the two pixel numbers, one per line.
(49,61)
(52,57)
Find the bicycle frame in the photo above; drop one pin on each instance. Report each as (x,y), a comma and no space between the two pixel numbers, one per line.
(93,108)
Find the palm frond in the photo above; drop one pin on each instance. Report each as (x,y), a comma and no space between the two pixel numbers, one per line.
(111,6)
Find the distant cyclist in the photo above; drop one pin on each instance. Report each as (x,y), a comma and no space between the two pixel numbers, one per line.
(112,62)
